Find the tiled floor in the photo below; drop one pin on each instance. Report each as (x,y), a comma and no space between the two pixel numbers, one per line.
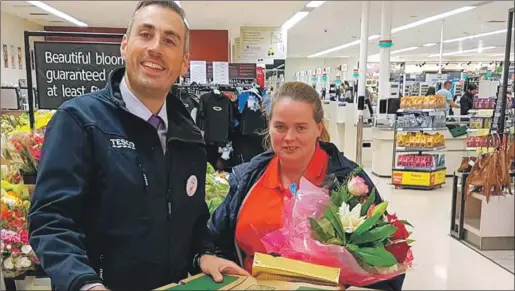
(442,263)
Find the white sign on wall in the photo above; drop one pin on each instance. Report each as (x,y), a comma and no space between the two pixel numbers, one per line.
(260,44)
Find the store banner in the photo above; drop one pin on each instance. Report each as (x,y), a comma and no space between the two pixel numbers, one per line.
(67,70)
(260,44)
(242,71)
(260,77)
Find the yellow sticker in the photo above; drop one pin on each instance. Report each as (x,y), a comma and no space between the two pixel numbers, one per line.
(483,132)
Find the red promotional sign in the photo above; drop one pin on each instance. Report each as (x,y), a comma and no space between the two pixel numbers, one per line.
(260,77)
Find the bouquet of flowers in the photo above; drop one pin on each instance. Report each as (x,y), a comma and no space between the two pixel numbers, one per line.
(346,230)
(216,188)
(17,254)
(23,149)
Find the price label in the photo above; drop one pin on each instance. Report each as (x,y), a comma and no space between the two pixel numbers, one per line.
(483,132)
(485,112)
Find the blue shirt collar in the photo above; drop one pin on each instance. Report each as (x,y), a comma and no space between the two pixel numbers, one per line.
(136,107)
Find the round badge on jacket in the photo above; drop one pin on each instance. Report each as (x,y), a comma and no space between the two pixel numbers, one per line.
(191,185)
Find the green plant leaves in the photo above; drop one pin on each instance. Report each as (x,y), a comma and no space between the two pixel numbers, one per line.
(377,256)
(369,202)
(405,222)
(331,214)
(378,211)
(318,230)
(376,234)
(337,198)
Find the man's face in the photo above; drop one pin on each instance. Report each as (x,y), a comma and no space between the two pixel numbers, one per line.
(447,86)
(154,49)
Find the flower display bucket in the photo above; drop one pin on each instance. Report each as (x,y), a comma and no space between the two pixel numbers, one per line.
(28,178)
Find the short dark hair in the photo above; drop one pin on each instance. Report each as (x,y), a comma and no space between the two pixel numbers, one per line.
(166,4)
(472,87)
(447,83)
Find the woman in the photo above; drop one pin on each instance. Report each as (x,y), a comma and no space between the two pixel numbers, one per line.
(258,189)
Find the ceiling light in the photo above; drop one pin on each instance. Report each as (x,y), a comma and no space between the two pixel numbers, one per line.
(57,13)
(432,18)
(429,44)
(404,50)
(315,4)
(294,20)
(346,45)
(476,50)
(404,27)
(475,36)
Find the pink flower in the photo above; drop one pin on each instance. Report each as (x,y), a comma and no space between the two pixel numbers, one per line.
(357,186)
(15,251)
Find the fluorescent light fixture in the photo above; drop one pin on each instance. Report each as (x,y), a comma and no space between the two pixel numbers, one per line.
(432,18)
(404,50)
(476,50)
(429,44)
(404,27)
(475,36)
(294,20)
(315,4)
(57,13)
(346,45)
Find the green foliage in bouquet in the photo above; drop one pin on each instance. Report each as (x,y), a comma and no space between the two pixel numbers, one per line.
(353,221)
(216,189)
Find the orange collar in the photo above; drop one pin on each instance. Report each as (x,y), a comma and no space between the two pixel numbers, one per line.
(315,173)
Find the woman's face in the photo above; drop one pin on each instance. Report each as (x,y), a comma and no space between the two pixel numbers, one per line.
(293,130)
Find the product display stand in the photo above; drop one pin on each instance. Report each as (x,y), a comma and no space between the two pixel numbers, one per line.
(417,178)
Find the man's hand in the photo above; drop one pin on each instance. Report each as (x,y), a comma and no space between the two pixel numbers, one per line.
(215,267)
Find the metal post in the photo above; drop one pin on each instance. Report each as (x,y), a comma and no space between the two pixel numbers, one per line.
(363,55)
(30,92)
(505,73)
(440,60)
(386,34)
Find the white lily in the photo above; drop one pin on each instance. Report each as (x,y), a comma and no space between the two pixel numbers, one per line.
(351,219)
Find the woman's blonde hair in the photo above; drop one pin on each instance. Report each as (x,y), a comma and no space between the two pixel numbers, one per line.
(298,91)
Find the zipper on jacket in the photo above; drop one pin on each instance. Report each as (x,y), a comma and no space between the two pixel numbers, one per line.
(101,268)
(145,179)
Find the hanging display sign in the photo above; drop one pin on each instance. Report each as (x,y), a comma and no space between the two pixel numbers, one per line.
(221,72)
(198,72)
(260,76)
(67,70)
(257,44)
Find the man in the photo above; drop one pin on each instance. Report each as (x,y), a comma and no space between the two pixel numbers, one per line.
(446,91)
(119,200)
(467,100)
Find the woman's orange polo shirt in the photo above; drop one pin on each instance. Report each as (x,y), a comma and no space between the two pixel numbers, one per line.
(262,211)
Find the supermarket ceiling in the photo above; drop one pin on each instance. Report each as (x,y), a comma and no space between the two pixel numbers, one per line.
(332,24)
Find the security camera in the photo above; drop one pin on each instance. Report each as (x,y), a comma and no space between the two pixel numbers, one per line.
(325,30)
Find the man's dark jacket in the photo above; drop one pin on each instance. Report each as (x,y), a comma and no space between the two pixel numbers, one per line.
(109,206)
(223,222)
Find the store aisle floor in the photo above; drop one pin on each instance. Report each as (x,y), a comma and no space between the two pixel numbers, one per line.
(442,263)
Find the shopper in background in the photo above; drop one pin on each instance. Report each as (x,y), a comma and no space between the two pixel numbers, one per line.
(299,147)
(467,100)
(120,196)
(431,91)
(446,92)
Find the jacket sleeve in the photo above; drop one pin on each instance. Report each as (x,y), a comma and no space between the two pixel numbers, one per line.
(202,241)
(61,185)
(220,225)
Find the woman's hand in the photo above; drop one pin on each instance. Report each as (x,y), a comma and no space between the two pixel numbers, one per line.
(215,267)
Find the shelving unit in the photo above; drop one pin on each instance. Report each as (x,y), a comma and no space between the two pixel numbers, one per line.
(417,178)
